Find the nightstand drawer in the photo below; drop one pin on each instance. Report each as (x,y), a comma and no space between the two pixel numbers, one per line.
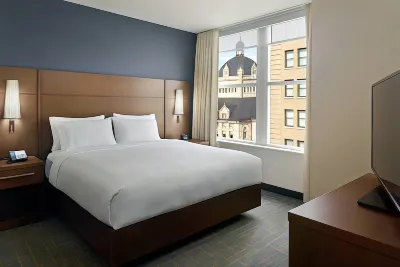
(21,177)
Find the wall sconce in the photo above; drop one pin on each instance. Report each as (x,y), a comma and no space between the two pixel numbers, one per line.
(178,103)
(12,107)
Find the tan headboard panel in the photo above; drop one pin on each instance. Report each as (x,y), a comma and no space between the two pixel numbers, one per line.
(26,131)
(173,129)
(72,94)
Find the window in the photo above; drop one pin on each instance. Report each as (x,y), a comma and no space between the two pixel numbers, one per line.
(240,65)
(289,57)
(289,90)
(300,144)
(288,142)
(302,57)
(224,115)
(301,118)
(302,89)
(289,117)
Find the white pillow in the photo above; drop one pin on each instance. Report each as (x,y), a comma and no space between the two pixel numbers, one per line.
(128,131)
(136,117)
(55,121)
(78,134)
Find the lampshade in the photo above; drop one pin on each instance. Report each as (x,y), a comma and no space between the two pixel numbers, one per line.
(179,102)
(12,109)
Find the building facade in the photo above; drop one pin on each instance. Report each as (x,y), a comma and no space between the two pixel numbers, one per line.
(237,105)
(288,103)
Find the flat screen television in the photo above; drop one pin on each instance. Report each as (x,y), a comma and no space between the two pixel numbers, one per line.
(385,158)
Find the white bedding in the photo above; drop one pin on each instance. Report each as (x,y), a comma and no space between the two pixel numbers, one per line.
(124,184)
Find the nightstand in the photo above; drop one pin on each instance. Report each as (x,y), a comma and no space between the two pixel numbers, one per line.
(21,192)
(200,142)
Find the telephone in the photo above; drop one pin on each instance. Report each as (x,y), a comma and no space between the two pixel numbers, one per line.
(17,156)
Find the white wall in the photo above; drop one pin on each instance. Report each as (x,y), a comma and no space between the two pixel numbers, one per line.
(280,168)
(355,43)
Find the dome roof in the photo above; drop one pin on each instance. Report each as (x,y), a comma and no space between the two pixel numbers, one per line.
(233,65)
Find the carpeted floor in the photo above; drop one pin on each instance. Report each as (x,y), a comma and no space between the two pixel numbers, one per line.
(257,238)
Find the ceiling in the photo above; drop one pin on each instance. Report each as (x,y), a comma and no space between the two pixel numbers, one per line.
(191,15)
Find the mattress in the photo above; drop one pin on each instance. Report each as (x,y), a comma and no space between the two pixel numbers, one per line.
(124,184)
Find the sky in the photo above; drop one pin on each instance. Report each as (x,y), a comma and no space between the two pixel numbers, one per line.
(225,56)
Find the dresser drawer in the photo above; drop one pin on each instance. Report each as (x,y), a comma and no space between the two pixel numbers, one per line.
(21,177)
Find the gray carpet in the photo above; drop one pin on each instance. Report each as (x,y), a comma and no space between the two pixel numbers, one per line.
(257,238)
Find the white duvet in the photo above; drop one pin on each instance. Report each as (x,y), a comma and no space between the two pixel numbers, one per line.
(124,184)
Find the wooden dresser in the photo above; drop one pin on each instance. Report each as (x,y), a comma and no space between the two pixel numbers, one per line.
(333,230)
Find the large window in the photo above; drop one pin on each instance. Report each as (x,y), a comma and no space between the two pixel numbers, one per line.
(302,57)
(289,117)
(262,81)
(301,119)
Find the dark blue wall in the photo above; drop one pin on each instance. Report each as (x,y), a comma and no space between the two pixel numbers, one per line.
(53,34)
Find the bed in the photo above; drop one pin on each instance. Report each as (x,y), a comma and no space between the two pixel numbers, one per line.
(121,185)
(130,200)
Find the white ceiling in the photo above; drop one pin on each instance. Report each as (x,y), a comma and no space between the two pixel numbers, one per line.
(192,15)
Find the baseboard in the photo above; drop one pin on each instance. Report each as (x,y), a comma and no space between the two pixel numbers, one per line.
(282,191)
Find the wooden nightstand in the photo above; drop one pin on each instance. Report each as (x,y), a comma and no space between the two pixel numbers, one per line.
(200,142)
(21,192)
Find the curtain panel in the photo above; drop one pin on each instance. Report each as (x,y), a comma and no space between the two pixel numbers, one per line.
(205,97)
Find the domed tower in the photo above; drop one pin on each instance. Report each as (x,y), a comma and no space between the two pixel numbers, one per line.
(240,56)
(239,64)
(240,47)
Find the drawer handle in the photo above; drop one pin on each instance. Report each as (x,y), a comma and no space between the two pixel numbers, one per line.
(17,176)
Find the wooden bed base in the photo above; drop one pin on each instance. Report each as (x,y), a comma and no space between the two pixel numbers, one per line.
(132,242)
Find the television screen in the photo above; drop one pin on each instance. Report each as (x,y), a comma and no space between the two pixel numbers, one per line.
(386,135)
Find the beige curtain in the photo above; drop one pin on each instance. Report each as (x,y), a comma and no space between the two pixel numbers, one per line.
(306,178)
(205,98)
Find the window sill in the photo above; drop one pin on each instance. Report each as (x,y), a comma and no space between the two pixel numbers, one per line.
(282,148)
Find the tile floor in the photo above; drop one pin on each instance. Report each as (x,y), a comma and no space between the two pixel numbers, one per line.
(256,238)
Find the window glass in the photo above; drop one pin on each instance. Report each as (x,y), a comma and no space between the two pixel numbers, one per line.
(300,144)
(302,90)
(303,57)
(302,119)
(289,55)
(284,46)
(288,142)
(289,117)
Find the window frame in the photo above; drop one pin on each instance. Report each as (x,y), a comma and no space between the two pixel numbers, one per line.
(305,88)
(299,142)
(286,117)
(299,58)
(286,58)
(298,118)
(290,140)
(286,88)
(262,133)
